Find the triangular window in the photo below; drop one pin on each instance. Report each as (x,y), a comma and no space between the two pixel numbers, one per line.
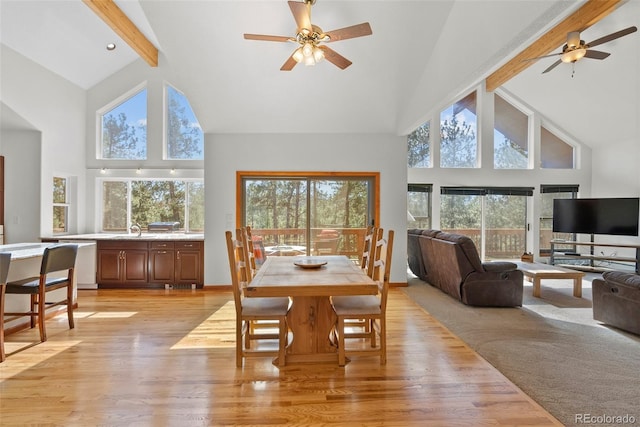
(185,140)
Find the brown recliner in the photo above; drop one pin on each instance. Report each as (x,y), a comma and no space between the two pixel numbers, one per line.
(451,263)
(616,300)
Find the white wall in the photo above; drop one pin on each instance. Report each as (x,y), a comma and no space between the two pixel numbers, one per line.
(616,174)
(56,108)
(225,154)
(22,185)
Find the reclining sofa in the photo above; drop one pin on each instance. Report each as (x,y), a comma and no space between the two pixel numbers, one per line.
(616,300)
(451,263)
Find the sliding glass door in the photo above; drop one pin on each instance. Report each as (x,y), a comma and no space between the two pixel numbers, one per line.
(302,214)
(494,218)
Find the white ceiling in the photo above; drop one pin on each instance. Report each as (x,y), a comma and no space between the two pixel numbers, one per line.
(420,55)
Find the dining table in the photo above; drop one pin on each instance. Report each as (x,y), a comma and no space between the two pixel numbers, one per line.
(310,282)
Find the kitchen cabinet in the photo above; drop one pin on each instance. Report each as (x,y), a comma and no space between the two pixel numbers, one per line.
(150,264)
(122,264)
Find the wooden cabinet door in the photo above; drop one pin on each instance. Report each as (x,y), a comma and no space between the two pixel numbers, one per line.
(135,266)
(189,263)
(109,266)
(162,266)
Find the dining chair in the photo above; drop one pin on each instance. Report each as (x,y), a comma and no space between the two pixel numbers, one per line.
(5,260)
(59,258)
(366,257)
(249,250)
(371,308)
(250,310)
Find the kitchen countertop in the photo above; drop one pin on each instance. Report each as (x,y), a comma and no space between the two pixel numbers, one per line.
(30,250)
(128,236)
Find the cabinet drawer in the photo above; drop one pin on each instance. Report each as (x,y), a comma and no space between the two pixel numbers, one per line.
(189,245)
(161,245)
(121,244)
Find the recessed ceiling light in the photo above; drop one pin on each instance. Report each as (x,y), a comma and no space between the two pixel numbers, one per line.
(111,46)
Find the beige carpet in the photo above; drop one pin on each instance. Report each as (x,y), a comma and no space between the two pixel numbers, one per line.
(576,368)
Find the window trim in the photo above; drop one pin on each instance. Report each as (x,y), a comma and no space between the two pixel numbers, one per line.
(165,124)
(128,181)
(110,106)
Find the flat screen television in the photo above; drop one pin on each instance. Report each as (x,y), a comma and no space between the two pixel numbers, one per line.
(615,216)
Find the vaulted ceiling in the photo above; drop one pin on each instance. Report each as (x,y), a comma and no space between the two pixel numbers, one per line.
(421,54)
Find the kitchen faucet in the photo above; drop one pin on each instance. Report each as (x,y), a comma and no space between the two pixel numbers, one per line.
(135,228)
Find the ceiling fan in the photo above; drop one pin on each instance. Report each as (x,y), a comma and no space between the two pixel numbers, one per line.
(576,49)
(310,38)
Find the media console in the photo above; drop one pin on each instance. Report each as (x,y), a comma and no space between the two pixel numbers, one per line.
(559,254)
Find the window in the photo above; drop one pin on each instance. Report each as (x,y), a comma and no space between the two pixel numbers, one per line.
(184,135)
(494,217)
(60,205)
(555,153)
(309,214)
(418,147)
(458,130)
(510,141)
(547,195)
(419,206)
(144,201)
(124,129)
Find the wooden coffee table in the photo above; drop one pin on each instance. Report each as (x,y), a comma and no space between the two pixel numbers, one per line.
(537,271)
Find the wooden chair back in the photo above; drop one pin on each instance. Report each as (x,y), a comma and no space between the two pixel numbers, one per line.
(382,266)
(367,256)
(237,267)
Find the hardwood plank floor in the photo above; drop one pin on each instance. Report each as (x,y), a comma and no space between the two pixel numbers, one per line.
(167,358)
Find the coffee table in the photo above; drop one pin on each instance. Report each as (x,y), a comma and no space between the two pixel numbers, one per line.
(537,271)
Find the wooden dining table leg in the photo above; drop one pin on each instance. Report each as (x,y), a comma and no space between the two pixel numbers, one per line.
(312,320)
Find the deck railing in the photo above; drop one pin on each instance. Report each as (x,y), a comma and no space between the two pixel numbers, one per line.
(350,240)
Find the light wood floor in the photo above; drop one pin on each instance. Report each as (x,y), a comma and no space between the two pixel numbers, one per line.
(166,358)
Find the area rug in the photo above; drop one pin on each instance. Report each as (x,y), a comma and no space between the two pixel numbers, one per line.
(579,370)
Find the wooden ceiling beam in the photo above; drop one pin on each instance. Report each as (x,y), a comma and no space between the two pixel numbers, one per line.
(115,18)
(590,13)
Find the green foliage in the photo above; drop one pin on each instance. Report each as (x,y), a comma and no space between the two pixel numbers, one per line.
(184,137)
(458,144)
(510,155)
(120,139)
(418,147)
(282,203)
(114,206)
(153,201)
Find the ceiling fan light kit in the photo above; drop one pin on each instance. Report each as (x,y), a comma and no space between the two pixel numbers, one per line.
(310,39)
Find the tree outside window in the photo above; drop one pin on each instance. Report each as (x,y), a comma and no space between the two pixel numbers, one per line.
(145,201)
(60,205)
(184,135)
(510,136)
(418,147)
(458,129)
(124,129)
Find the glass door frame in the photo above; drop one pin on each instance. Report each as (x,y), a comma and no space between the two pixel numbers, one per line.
(374,193)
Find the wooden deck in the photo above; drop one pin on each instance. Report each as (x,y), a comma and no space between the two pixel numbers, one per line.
(166,358)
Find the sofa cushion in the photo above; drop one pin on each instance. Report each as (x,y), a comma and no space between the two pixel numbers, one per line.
(467,246)
(622,278)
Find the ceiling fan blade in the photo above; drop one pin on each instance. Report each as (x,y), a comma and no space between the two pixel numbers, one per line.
(289,64)
(302,15)
(596,54)
(335,58)
(552,66)
(612,36)
(268,38)
(351,32)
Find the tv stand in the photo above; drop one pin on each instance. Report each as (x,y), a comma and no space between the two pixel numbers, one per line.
(559,254)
